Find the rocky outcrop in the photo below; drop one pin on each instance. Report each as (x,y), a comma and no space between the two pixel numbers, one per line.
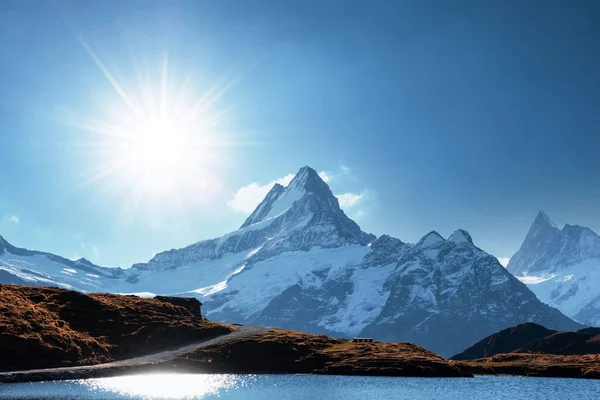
(47,327)
(191,304)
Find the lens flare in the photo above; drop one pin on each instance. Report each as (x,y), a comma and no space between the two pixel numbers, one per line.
(154,142)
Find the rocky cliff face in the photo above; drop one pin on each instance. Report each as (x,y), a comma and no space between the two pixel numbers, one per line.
(562,267)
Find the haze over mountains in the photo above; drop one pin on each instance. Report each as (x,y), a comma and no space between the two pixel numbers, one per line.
(299,262)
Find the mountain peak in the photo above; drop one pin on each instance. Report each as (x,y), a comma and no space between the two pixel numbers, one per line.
(460,236)
(84,260)
(261,211)
(308,179)
(430,239)
(280,198)
(543,220)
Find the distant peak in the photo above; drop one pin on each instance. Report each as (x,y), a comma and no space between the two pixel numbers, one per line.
(542,219)
(460,236)
(306,169)
(430,239)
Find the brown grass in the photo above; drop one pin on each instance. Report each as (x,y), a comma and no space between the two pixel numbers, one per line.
(48,327)
(282,351)
(548,365)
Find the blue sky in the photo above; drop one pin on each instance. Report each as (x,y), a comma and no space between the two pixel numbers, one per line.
(462,114)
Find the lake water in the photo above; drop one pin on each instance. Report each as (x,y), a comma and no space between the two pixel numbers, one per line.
(265,387)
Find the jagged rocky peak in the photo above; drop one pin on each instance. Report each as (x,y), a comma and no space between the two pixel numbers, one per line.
(280,199)
(386,241)
(265,206)
(543,221)
(431,239)
(460,236)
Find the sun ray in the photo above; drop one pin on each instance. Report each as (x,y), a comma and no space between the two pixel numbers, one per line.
(155,144)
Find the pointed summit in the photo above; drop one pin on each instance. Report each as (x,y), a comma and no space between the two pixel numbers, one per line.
(432,238)
(543,220)
(542,240)
(460,236)
(307,210)
(308,179)
(280,198)
(265,206)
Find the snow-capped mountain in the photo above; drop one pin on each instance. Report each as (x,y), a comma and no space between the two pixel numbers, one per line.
(27,267)
(562,267)
(299,262)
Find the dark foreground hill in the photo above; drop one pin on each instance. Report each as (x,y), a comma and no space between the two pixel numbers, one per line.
(533,338)
(532,350)
(49,328)
(505,341)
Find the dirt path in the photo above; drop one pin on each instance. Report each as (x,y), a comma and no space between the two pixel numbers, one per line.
(123,366)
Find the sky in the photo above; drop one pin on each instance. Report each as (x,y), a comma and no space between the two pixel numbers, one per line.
(419,115)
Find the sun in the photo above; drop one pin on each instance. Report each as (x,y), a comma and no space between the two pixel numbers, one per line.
(155,143)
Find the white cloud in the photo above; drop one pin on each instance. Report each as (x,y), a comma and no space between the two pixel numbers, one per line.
(348,200)
(325,176)
(504,261)
(248,197)
(15,219)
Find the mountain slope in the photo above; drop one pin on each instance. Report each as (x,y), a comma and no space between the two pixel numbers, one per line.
(299,262)
(534,339)
(505,341)
(27,267)
(562,267)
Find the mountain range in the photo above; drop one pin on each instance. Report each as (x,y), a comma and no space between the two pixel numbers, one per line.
(299,262)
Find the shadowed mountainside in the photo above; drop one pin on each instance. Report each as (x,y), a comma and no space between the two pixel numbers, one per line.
(533,338)
(505,341)
(532,350)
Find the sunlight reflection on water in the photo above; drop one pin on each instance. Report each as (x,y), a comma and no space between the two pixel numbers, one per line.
(167,386)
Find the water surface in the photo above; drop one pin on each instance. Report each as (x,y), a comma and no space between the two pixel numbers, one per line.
(246,387)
